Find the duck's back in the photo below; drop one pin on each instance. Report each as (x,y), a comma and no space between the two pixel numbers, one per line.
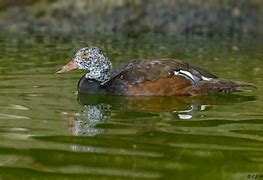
(167,77)
(139,71)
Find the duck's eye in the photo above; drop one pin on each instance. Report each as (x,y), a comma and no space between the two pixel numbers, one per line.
(85,56)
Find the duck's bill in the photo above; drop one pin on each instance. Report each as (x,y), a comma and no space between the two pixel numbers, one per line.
(70,66)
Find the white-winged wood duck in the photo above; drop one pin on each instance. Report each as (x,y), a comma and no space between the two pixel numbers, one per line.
(163,77)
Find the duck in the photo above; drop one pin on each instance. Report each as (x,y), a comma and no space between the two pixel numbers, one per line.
(145,77)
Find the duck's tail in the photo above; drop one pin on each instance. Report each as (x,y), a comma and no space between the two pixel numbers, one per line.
(220,85)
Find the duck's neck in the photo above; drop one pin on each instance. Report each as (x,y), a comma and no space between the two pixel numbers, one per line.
(92,86)
(101,75)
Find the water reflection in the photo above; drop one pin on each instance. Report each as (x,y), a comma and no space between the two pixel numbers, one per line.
(98,109)
(84,123)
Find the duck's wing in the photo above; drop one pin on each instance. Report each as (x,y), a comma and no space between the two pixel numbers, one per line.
(138,71)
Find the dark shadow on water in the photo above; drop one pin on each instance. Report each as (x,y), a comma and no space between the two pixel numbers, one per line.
(161,104)
(99,108)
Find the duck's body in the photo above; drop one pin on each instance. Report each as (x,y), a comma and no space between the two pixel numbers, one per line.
(165,77)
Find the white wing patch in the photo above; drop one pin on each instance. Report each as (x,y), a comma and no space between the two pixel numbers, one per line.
(187,75)
(190,76)
(206,79)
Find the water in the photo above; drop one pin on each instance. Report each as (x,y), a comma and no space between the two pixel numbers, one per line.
(48,131)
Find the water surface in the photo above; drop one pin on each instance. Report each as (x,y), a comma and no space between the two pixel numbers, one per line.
(49,131)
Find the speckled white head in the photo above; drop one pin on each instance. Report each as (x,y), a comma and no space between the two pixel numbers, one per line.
(94,61)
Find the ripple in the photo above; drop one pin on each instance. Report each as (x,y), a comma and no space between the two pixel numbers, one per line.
(19,107)
(10,116)
(116,151)
(214,147)
(14,129)
(76,172)
(110,172)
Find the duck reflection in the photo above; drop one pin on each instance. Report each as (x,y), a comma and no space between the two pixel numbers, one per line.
(84,123)
(98,108)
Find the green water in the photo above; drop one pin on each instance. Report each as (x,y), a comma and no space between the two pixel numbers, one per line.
(48,131)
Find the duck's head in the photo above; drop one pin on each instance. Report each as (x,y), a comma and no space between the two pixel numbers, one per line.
(91,59)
